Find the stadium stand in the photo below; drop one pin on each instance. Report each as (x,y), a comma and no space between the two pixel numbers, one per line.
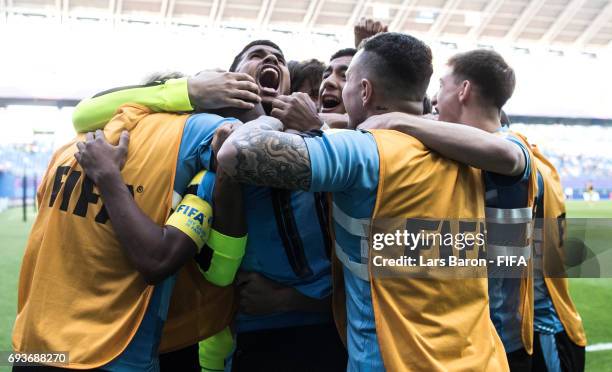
(580,153)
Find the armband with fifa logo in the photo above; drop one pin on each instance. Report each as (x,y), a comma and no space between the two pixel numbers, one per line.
(193,216)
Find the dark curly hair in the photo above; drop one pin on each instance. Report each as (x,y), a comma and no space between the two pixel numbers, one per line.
(310,70)
(402,62)
(238,57)
(487,70)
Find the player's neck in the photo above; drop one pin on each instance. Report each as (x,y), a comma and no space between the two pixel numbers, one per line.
(407,107)
(487,120)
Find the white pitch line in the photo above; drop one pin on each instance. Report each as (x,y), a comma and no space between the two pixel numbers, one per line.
(599,347)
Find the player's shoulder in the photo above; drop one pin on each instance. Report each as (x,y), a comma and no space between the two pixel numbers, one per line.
(514,136)
(344,140)
(519,140)
(351,136)
(202,126)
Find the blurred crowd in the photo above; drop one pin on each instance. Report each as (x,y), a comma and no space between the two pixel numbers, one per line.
(21,164)
(582,167)
(581,154)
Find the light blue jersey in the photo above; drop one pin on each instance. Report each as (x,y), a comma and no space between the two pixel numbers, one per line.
(288,237)
(288,244)
(345,162)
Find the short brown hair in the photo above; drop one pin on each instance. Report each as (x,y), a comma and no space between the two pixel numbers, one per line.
(489,71)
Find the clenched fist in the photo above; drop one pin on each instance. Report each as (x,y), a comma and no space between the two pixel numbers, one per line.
(367,28)
(296,112)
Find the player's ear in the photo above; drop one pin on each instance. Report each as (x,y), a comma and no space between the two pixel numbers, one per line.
(367,93)
(465,90)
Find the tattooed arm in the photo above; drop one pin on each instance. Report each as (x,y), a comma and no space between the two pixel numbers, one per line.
(259,153)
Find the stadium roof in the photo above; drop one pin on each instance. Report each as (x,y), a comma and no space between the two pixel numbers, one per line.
(583,24)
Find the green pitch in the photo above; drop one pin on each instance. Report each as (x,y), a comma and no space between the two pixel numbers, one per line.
(592,296)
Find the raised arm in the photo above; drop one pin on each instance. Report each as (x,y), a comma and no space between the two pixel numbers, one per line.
(366,28)
(259,153)
(205,91)
(93,113)
(462,143)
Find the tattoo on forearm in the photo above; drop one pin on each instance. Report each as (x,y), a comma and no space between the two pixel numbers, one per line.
(271,158)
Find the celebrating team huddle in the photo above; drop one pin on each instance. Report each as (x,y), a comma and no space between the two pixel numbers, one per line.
(227,221)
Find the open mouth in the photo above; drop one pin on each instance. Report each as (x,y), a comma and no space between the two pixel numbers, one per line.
(329,102)
(269,79)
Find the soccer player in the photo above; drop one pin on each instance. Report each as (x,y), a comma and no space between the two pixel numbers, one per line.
(285,314)
(105,302)
(397,323)
(219,250)
(472,91)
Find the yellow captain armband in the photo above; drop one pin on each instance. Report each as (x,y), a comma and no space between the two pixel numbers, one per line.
(193,216)
(226,258)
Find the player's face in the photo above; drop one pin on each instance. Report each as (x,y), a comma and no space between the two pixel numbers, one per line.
(267,66)
(334,79)
(447,102)
(351,94)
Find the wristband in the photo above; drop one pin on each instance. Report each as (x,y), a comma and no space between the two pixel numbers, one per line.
(214,350)
(226,258)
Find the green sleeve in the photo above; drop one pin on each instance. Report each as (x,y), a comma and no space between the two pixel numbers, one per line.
(214,350)
(93,113)
(227,256)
